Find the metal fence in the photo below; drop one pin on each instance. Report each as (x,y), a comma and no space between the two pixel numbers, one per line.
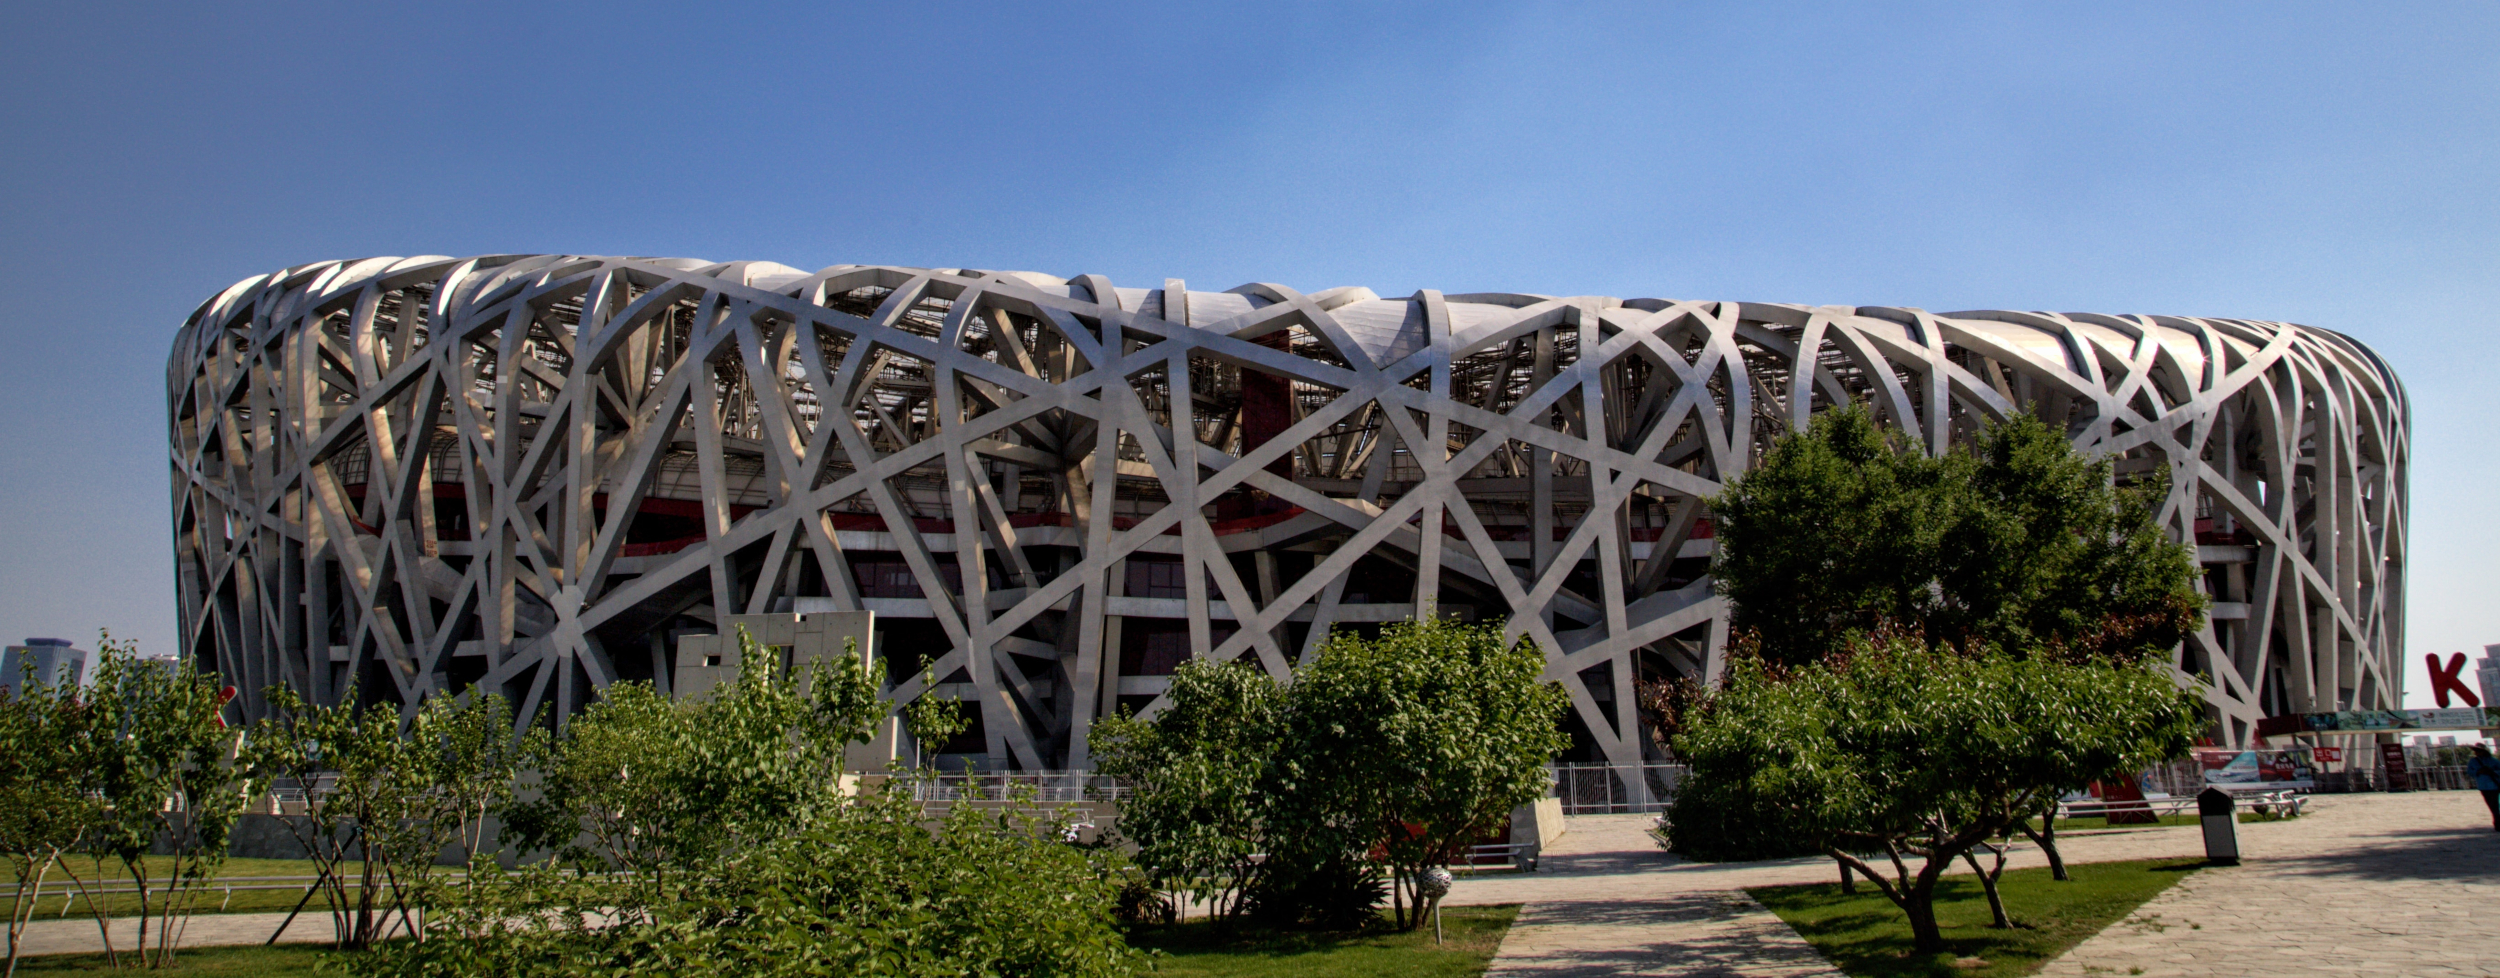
(2184,777)
(1616,789)
(1048,787)
(2446,777)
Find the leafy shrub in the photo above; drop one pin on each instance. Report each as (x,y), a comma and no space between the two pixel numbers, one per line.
(867,888)
(1907,751)
(1384,757)
(712,836)
(1337,891)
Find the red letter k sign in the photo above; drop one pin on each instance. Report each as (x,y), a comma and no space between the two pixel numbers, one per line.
(2445,680)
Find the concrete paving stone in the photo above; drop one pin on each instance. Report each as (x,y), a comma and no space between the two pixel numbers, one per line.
(2369,884)
(2363,885)
(80,936)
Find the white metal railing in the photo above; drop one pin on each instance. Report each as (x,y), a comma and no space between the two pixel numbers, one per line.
(1616,789)
(1513,855)
(2445,777)
(1050,787)
(2262,801)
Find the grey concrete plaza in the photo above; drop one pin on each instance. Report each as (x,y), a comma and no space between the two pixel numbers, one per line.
(2364,884)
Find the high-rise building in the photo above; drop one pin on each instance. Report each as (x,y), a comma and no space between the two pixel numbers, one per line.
(42,661)
(2487,676)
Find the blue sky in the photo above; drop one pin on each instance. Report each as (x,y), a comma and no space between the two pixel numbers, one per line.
(2327,164)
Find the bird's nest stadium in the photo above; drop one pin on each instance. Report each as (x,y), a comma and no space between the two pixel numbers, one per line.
(535,474)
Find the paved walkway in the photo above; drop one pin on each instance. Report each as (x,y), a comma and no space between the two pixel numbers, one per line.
(2367,885)
(2363,880)
(1606,901)
(1712,932)
(77,935)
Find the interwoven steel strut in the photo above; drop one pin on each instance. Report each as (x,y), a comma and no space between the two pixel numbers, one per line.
(410,476)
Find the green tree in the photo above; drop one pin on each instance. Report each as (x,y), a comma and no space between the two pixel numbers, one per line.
(2051,556)
(1193,777)
(662,790)
(714,838)
(932,720)
(867,886)
(872,889)
(1908,752)
(1394,753)
(467,749)
(47,738)
(164,774)
(1834,532)
(1422,739)
(383,799)
(2013,540)
(356,779)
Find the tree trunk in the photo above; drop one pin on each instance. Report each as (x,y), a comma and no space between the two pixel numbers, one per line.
(2046,838)
(1988,883)
(103,924)
(23,911)
(1919,904)
(1848,879)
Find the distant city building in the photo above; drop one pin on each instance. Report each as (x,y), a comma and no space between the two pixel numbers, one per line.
(2487,672)
(45,661)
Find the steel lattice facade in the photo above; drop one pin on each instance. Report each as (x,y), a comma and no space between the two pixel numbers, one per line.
(533,473)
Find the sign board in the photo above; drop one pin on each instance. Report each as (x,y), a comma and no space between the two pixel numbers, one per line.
(2375,721)
(2328,755)
(2257,769)
(2487,676)
(2123,799)
(2392,757)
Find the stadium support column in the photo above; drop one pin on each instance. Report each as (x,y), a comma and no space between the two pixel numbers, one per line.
(1266,411)
(1541,480)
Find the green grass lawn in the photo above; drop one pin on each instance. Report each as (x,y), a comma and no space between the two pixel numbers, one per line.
(278,896)
(217,899)
(2095,824)
(1199,949)
(1866,936)
(288,961)
(112,868)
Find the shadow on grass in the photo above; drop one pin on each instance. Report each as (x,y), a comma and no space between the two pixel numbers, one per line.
(1863,934)
(1203,948)
(284,961)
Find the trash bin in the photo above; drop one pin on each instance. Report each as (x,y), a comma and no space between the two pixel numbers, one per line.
(2220,815)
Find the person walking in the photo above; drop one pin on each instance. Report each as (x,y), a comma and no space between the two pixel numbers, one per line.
(2486,774)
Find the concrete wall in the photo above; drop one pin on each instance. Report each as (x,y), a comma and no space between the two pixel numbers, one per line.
(1540,822)
(269,837)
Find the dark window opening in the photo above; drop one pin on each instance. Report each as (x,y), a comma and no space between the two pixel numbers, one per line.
(1158,646)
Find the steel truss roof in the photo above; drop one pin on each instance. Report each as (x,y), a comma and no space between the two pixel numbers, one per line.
(429,473)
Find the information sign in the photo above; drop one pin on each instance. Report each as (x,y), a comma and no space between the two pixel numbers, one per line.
(2372,721)
(2258,768)
(2392,757)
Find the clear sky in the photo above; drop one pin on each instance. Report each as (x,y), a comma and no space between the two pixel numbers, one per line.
(2332,164)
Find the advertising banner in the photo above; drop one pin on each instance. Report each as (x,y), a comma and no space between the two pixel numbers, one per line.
(2258,769)
(2372,721)
(2392,758)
